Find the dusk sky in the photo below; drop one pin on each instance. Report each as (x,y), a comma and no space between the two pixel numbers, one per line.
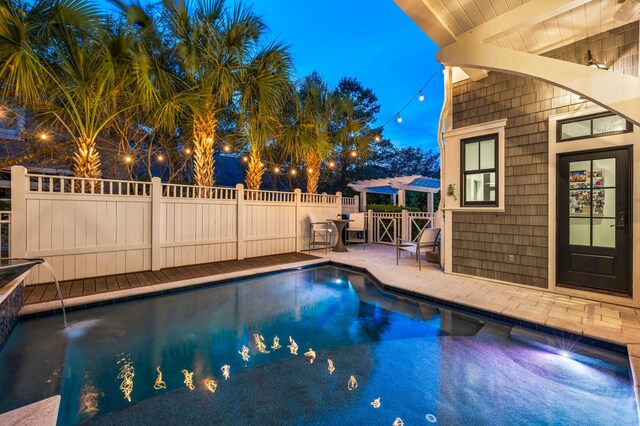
(373,41)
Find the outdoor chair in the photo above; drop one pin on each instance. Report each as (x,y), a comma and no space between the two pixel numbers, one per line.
(319,233)
(357,230)
(426,241)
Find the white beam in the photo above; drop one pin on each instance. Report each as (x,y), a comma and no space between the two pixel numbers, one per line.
(528,14)
(614,91)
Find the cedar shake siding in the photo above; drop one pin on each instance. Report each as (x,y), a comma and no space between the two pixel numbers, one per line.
(482,242)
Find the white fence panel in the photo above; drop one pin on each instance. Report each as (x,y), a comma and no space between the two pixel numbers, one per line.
(85,235)
(198,231)
(93,227)
(350,205)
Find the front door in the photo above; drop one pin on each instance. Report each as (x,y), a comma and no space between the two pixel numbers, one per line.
(594,221)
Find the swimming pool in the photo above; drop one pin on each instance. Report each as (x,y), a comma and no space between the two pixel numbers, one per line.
(426,364)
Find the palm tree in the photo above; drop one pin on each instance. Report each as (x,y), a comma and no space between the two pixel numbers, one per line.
(306,136)
(264,86)
(350,134)
(211,44)
(61,61)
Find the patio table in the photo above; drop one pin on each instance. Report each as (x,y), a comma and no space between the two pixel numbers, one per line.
(340,224)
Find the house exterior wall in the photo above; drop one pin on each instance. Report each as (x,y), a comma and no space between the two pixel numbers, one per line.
(482,243)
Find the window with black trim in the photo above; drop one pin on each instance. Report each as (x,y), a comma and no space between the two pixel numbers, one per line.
(480,171)
(592,126)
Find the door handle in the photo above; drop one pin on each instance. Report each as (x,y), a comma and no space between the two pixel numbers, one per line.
(620,222)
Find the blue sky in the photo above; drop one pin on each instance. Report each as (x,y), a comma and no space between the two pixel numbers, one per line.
(373,41)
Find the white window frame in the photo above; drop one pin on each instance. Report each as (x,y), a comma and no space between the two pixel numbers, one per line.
(453,166)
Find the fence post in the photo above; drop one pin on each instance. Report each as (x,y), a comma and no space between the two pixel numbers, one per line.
(338,200)
(356,202)
(370,225)
(297,195)
(240,222)
(18,226)
(156,224)
(405,227)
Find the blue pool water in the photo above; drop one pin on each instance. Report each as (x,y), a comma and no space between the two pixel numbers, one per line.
(428,365)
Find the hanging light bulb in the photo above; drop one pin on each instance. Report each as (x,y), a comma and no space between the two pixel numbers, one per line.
(160,157)
(331,164)
(399,119)
(245,159)
(310,170)
(187,150)
(293,171)
(43,136)
(276,169)
(421,96)
(354,154)
(226,148)
(127,159)
(377,138)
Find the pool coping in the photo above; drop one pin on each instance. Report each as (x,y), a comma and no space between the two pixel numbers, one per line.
(83,302)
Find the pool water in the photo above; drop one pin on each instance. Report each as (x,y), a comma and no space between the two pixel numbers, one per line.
(426,364)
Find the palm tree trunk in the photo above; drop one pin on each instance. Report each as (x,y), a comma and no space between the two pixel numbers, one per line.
(203,162)
(86,159)
(313,172)
(255,170)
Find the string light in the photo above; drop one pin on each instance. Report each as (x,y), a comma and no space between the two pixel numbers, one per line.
(293,171)
(187,150)
(43,136)
(331,164)
(160,157)
(421,96)
(226,148)
(210,140)
(310,170)
(354,154)
(127,159)
(276,169)
(245,158)
(397,116)
(377,138)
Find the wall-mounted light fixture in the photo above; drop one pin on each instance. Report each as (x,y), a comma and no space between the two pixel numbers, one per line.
(627,11)
(593,63)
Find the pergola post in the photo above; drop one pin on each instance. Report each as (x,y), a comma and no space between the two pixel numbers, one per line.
(363,201)
(430,202)
(401,198)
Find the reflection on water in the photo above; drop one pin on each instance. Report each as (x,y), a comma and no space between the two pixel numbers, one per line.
(418,357)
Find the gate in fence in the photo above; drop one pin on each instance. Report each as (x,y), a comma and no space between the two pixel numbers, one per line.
(387,227)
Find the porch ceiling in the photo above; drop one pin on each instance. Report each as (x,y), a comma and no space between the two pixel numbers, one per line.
(550,23)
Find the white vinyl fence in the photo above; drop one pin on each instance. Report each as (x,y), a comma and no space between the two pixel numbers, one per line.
(385,228)
(93,227)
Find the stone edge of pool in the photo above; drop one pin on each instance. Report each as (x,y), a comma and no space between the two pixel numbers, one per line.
(633,349)
(41,413)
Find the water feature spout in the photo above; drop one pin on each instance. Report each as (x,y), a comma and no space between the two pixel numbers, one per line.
(50,269)
(12,268)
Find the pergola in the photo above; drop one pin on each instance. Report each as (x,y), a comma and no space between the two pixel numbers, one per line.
(396,187)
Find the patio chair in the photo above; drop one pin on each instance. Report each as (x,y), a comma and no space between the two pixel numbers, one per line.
(426,239)
(357,230)
(319,233)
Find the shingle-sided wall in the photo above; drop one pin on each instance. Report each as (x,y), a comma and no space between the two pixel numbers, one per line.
(482,242)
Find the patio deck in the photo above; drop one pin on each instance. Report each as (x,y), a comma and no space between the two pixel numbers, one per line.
(43,293)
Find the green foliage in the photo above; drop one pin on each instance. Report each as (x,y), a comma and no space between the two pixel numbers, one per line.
(390,208)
